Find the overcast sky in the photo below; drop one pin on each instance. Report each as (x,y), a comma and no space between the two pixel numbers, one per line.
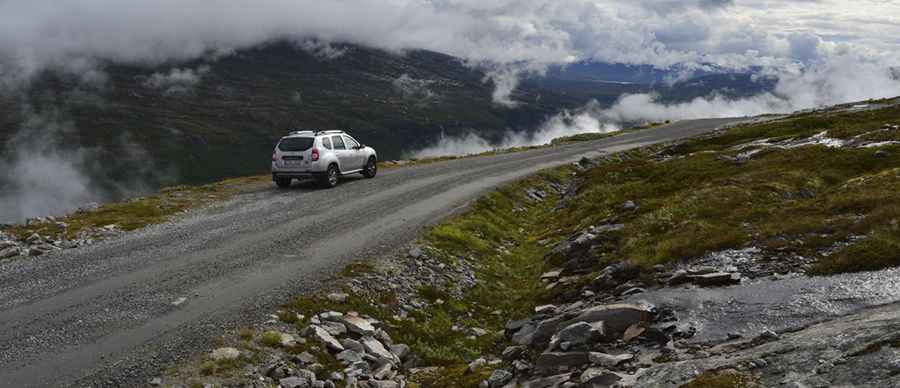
(789,36)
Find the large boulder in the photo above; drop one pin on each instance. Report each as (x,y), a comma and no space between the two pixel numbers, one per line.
(616,317)
(377,349)
(554,361)
(358,325)
(578,333)
(322,335)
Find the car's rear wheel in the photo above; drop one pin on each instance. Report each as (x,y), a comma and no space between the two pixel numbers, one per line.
(283,182)
(330,179)
(371,168)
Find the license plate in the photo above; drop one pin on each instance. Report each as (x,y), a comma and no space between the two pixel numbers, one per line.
(293,162)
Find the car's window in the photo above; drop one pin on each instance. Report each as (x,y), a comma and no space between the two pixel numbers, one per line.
(326,142)
(338,143)
(295,144)
(351,144)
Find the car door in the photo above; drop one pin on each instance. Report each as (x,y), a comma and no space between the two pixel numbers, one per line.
(345,156)
(359,157)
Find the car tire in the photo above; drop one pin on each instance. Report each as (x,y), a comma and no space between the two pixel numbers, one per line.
(283,182)
(331,177)
(371,168)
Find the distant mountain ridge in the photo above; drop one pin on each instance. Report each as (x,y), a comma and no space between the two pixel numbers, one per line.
(204,120)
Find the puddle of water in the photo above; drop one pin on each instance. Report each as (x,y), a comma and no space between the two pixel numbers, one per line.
(751,307)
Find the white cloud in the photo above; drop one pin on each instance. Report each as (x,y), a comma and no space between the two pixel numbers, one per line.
(567,123)
(505,36)
(176,81)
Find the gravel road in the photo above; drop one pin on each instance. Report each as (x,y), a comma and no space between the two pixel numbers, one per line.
(115,313)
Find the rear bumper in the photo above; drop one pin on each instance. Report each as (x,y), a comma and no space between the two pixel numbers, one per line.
(296,174)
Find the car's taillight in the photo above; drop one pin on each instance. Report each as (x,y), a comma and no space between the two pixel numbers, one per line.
(315,154)
(274,157)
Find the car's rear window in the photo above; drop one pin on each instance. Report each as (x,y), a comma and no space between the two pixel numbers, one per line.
(295,144)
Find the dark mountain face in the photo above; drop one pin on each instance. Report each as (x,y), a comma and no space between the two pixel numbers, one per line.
(208,119)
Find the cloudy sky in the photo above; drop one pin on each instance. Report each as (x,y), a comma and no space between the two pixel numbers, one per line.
(735,33)
(824,51)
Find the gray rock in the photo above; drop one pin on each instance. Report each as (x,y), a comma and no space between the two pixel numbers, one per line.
(331,316)
(579,333)
(400,350)
(513,352)
(322,335)
(499,378)
(633,290)
(383,336)
(353,345)
(616,317)
(525,334)
(358,325)
(7,244)
(278,370)
(383,371)
(305,358)
(545,329)
(608,360)
(629,205)
(476,364)
(336,376)
(553,361)
(10,252)
(545,309)
(338,297)
(294,382)
(349,356)
(596,377)
(383,384)
(551,275)
(547,382)
(34,239)
(512,326)
(521,366)
(377,349)
(225,354)
(768,334)
(156,381)
(334,328)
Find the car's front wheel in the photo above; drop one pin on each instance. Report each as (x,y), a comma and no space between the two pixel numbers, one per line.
(330,179)
(371,168)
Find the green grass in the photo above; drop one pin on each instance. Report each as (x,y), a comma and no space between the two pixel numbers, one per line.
(721,380)
(270,338)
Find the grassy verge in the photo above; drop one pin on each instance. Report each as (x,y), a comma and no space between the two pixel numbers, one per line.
(139,212)
(695,198)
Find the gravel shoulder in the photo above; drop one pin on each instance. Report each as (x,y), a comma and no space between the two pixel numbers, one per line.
(114,313)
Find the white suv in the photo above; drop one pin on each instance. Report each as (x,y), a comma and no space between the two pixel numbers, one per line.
(325,155)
